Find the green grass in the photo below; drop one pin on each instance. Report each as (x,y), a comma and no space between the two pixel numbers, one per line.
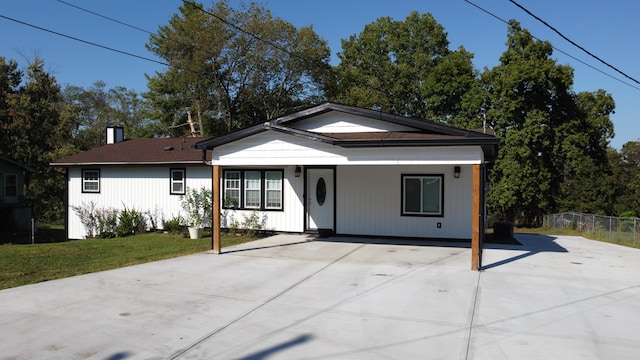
(29,264)
(619,238)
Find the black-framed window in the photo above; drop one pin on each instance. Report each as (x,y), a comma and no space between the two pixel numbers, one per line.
(273,189)
(253,189)
(423,195)
(231,189)
(178,180)
(91,181)
(10,185)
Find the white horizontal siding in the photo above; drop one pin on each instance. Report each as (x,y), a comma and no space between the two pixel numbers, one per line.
(274,148)
(369,203)
(146,189)
(337,122)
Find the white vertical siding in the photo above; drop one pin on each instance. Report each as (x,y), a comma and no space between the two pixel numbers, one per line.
(369,202)
(291,217)
(144,188)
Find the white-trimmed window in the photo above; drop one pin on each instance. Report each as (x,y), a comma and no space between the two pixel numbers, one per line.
(422,195)
(253,189)
(273,189)
(178,181)
(232,189)
(91,181)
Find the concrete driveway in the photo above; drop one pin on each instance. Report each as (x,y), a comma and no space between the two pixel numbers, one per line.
(293,297)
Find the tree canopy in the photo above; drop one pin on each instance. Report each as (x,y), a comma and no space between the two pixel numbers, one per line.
(35,131)
(551,138)
(405,68)
(232,68)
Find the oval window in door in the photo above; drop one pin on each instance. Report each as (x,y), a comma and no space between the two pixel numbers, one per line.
(321,191)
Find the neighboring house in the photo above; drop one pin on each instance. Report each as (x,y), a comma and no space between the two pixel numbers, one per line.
(337,169)
(148,175)
(15,214)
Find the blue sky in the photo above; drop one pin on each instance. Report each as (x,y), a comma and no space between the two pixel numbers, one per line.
(607,29)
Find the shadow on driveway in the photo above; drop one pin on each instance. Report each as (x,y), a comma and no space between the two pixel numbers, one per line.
(531,243)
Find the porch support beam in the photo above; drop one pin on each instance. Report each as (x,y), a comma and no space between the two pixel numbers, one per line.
(215,222)
(476,214)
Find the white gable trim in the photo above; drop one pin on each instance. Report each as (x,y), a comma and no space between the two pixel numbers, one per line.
(275,148)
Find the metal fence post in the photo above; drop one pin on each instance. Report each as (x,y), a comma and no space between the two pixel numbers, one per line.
(610,221)
(634,231)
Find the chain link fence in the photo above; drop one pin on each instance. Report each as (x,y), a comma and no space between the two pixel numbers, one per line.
(609,228)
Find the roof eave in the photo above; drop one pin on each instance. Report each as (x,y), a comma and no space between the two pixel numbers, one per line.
(123,163)
(416,142)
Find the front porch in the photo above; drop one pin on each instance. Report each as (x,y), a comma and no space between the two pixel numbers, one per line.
(356,201)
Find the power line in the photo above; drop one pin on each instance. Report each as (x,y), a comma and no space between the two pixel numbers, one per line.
(573,43)
(555,48)
(106,17)
(236,27)
(85,41)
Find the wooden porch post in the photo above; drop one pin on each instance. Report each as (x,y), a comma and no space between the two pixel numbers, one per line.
(476,215)
(215,223)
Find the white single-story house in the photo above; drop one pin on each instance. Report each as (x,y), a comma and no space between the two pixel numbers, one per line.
(337,169)
(148,175)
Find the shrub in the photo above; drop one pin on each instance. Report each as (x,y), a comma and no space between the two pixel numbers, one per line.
(175,225)
(155,217)
(197,205)
(107,223)
(131,222)
(253,223)
(87,215)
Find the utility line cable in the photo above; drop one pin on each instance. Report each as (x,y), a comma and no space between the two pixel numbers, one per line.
(223,20)
(555,48)
(573,43)
(85,41)
(105,17)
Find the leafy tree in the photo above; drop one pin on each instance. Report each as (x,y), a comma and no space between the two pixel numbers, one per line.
(35,131)
(226,70)
(528,99)
(581,155)
(626,178)
(553,152)
(96,108)
(405,68)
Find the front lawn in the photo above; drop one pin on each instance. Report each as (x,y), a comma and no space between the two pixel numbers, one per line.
(28,264)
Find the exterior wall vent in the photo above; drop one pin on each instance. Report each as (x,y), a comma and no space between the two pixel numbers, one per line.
(115,134)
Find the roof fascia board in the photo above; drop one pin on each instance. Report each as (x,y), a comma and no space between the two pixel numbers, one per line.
(378,115)
(413,142)
(156,163)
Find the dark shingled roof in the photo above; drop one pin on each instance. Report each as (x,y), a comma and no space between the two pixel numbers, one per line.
(386,135)
(154,151)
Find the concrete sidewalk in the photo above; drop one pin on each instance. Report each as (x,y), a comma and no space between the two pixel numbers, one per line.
(293,297)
